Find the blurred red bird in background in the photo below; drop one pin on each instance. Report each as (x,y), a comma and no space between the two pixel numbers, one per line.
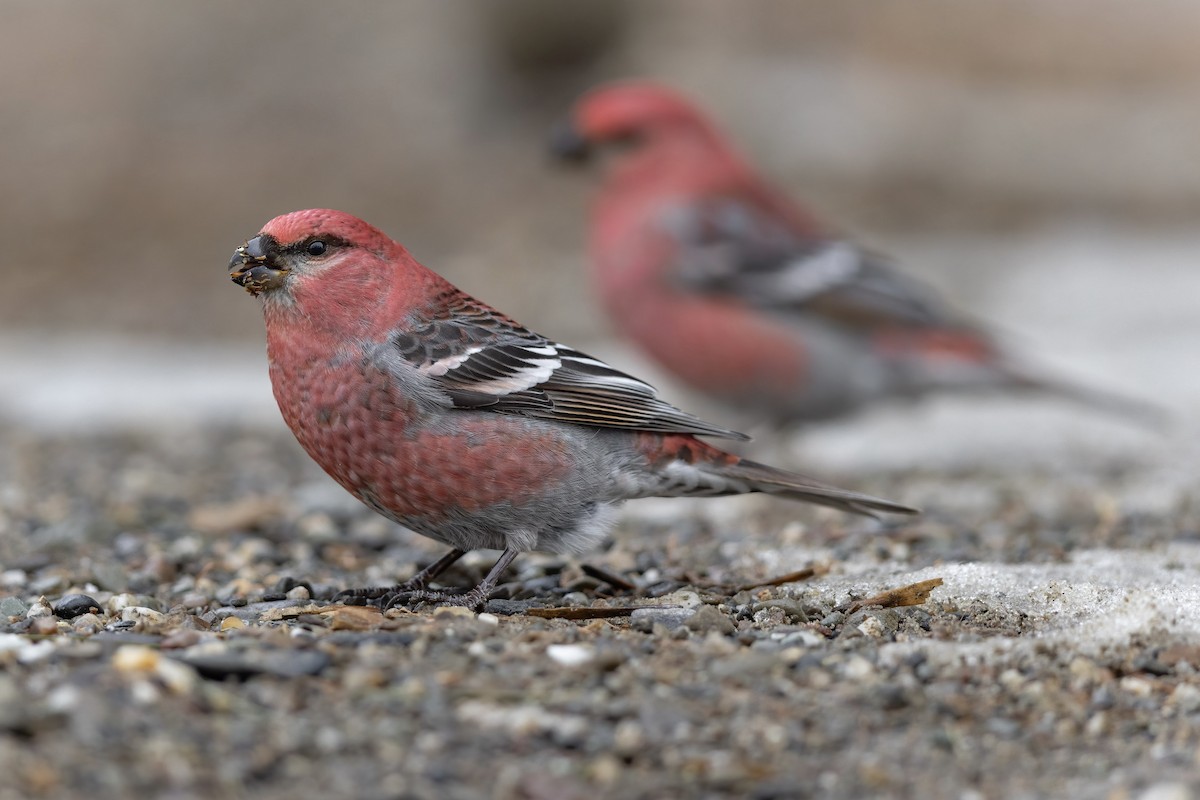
(453,420)
(745,296)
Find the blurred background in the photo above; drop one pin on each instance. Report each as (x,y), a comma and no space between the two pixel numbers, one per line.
(1038,160)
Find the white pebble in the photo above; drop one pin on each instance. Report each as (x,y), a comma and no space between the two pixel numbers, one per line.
(1186,698)
(858,668)
(1166,791)
(570,655)
(117,603)
(40,609)
(13,579)
(871,626)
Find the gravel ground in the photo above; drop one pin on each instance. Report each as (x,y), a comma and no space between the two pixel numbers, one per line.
(1059,656)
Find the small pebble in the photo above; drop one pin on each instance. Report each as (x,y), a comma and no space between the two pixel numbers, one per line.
(576,599)
(806,638)
(73,605)
(832,619)
(13,579)
(193,600)
(1186,697)
(790,606)
(12,607)
(1138,687)
(228,662)
(671,617)
(118,602)
(858,668)
(1166,791)
(871,626)
(707,618)
(135,658)
(142,615)
(451,612)
(47,584)
(571,655)
(39,609)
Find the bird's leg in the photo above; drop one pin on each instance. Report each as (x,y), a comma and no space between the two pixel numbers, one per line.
(414,584)
(472,599)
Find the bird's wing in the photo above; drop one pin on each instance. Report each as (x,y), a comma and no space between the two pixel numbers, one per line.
(485,361)
(744,247)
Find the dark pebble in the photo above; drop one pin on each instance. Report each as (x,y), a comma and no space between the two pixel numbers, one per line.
(286,584)
(1149,663)
(242,664)
(358,639)
(890,697)
(70,606)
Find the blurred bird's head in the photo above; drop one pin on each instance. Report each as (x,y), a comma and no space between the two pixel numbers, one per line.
(626,114)
(651,132)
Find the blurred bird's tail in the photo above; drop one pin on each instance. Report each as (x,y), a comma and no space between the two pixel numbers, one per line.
(1132,409)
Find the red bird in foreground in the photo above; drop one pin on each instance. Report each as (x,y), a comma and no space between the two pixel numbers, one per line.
(451,419)
(746,297)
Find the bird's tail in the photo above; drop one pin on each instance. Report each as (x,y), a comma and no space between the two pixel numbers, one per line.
(683,466)
(770,480)
(1133,409)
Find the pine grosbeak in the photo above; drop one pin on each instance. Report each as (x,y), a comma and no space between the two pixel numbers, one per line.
(747,297)
(456,422)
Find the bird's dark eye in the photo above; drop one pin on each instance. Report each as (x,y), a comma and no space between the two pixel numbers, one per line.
(316,248)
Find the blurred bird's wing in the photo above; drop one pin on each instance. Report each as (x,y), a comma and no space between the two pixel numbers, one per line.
(486,361)
(745,247)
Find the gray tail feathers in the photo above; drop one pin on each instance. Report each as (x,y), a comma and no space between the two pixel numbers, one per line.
(1136,410)
(762,478)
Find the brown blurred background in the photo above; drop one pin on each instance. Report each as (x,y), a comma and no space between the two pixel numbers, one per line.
(142,142)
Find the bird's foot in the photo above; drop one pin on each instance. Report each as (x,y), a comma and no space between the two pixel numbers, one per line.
(381,595)
(473,599)
(369,595)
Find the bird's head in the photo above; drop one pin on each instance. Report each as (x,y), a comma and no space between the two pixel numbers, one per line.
(327,269)
(624,114)
(304,247)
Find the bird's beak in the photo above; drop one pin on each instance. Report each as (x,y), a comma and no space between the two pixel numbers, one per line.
(568,144)
(255,265)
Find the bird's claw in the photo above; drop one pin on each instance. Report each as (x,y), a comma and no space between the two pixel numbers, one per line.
(378,595)
(473,599)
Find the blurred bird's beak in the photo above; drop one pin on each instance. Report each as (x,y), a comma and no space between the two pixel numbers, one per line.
(567,144)
(255,265)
